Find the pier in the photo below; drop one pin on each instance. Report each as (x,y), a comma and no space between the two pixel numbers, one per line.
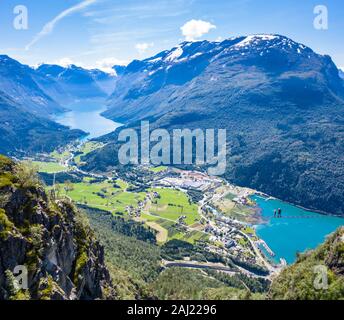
(266,247)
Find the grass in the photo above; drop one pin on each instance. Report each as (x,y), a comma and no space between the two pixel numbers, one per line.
(162,234)
(103,195)
(161,216)
(230,196)
(60,155)
(87,148)
(172,204)
(158,169)
(191,236)
(249,230)
(173,231)
(49,167)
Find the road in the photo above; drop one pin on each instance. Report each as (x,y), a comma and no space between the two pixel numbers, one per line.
(198,265)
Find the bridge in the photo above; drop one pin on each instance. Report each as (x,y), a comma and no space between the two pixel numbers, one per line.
(304,216)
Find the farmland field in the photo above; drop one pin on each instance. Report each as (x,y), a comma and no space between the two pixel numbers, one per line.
(104,195)
(49,167)
(172,204)
(87,148)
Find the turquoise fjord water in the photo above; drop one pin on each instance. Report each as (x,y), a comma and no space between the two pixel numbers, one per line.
(297,230)
(86,115)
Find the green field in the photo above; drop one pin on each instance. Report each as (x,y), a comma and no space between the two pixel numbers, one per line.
(60,155)
(87,148)
(172,204)
(48,167)
(158,169)
(103,195)
(176,232)
(165,212)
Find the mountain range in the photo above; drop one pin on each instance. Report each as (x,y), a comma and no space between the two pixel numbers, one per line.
(29,98)
(68,83)
(281,103)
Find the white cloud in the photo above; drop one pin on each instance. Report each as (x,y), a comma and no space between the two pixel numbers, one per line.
(143,47)
(195,29)
(107,64)
(49,27)
(65,62)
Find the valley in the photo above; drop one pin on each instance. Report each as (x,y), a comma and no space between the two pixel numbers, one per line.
(190,206)
(220,237)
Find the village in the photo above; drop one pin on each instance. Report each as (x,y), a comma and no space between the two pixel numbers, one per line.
(197,205)
(228,236)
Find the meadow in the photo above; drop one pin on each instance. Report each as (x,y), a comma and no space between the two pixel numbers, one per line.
(48,167)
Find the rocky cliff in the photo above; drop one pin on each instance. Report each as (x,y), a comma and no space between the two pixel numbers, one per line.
(50,238)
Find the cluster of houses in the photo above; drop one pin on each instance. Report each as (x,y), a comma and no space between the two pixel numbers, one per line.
(224,230)
(181,220)
(136,212)
(241,200)
(189,180)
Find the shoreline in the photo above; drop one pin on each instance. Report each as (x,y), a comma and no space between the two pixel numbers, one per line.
(324,213)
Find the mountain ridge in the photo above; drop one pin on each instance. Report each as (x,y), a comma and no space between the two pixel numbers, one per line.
(50,238)
(281,103)
(30,97)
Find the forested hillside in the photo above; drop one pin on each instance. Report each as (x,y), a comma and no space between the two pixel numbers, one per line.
(281,103)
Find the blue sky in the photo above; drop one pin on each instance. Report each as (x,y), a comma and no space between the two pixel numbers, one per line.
(98,33)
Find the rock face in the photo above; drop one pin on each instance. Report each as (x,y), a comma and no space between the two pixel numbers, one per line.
(50,238)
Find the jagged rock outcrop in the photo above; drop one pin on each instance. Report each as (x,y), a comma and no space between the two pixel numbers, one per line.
(50,238)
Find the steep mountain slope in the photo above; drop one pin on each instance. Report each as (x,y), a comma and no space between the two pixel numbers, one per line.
(296,282)
(259,68)
(50,238)
(29,97)
(66,84)
(23,132)
(281,103)
(17,81)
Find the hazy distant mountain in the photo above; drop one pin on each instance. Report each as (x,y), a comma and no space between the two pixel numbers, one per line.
(72,82)
(23,132)
(119,70)
(28,97)
(281,103)
(18,82)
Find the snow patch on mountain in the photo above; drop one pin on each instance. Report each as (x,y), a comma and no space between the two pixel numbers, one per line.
(253,39)
(175,54)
